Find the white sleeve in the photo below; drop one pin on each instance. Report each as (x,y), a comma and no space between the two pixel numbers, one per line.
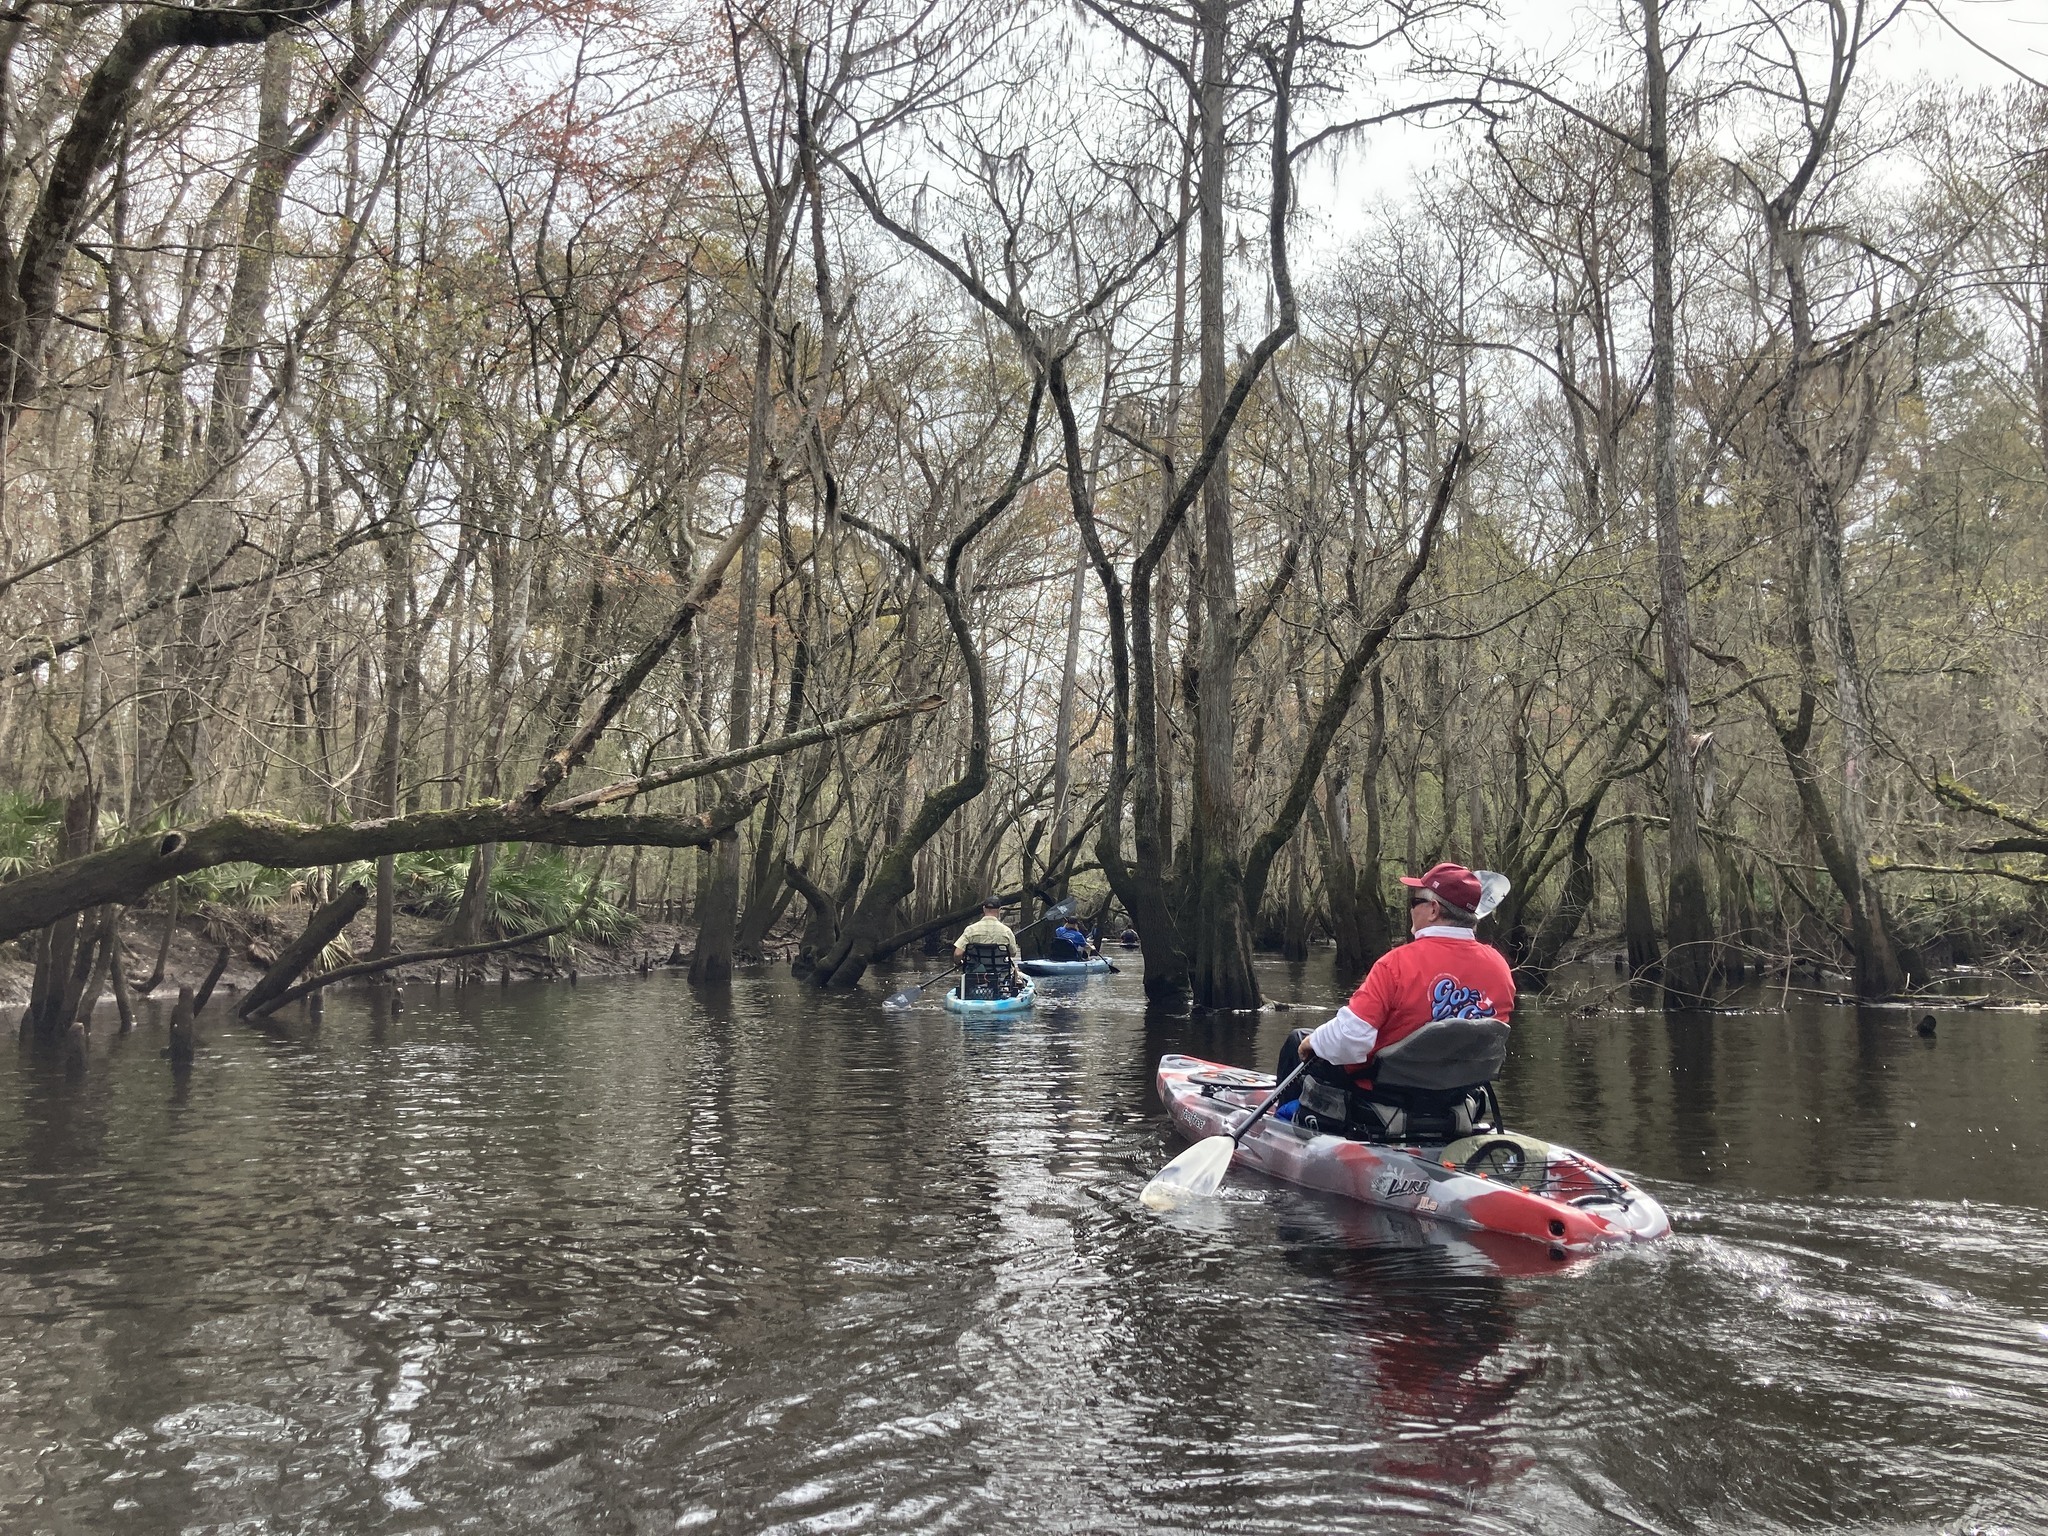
(1345,1039)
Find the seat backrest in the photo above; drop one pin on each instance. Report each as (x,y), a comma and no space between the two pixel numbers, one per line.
(1450,1053)
(986,968)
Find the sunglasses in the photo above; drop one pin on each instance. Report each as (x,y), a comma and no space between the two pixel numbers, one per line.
(1420,897)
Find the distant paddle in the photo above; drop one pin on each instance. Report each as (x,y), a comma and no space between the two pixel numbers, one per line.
(1200,1169)
(908,995)
(1056,912)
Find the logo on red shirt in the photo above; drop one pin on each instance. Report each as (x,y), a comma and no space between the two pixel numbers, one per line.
(1448,1000)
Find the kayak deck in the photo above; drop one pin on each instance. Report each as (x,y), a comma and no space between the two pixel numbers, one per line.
(1021,1003)
(1505,1182)
(1095,965)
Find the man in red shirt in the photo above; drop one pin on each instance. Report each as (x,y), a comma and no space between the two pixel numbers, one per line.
(1444,972)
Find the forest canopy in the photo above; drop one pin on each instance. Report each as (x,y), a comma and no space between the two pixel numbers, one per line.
(848,458)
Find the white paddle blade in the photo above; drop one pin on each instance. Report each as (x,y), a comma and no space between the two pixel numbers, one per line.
(1197,1171)
(901,999)
(1493,890)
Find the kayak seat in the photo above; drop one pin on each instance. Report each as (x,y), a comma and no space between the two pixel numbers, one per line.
(1431,1087)
(1445,1055)
(985,972)
(1415,1116)
(1427,1118)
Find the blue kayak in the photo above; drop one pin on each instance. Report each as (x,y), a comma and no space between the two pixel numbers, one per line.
(1091,966)
(1021,1003)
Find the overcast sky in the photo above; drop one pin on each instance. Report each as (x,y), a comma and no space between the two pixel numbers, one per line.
(1980,43)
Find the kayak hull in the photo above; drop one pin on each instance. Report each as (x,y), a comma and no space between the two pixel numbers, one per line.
(1021,1003)
(1091,967)
(1557,1197)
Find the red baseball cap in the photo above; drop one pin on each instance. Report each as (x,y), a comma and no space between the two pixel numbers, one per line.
(1454,886)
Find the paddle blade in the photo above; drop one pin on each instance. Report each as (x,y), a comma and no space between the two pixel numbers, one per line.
(1066,908)
(1197,1171)
(901,999)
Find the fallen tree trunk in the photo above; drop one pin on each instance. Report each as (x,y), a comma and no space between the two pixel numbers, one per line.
(125,872)
(163,948)
(220,969)
(392,962)
(781,746)
(959,916)
(321,929)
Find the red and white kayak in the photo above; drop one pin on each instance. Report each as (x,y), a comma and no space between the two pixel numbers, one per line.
(1500,1182)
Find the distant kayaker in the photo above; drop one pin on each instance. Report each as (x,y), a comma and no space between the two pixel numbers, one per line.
(1444,972)
(992,931)
(1070,942)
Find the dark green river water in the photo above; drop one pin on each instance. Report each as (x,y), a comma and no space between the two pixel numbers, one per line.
(619,1259)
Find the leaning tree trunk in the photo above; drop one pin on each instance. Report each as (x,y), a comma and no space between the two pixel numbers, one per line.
(1141,882)
(718,915)
(1879,972)
(873,920)
(1819,580)
(1560,924)
(322,928)
(1872,954)
(864,931)
(390,747)
(1063,730)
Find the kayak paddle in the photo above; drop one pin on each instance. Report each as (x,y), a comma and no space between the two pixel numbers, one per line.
(1053,913)
(1200,1169)
(908,995)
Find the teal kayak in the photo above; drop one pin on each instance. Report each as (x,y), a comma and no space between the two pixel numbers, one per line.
(1093,965)
(1021,1003)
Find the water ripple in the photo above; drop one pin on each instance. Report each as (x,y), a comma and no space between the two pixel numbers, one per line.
(621,1259)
